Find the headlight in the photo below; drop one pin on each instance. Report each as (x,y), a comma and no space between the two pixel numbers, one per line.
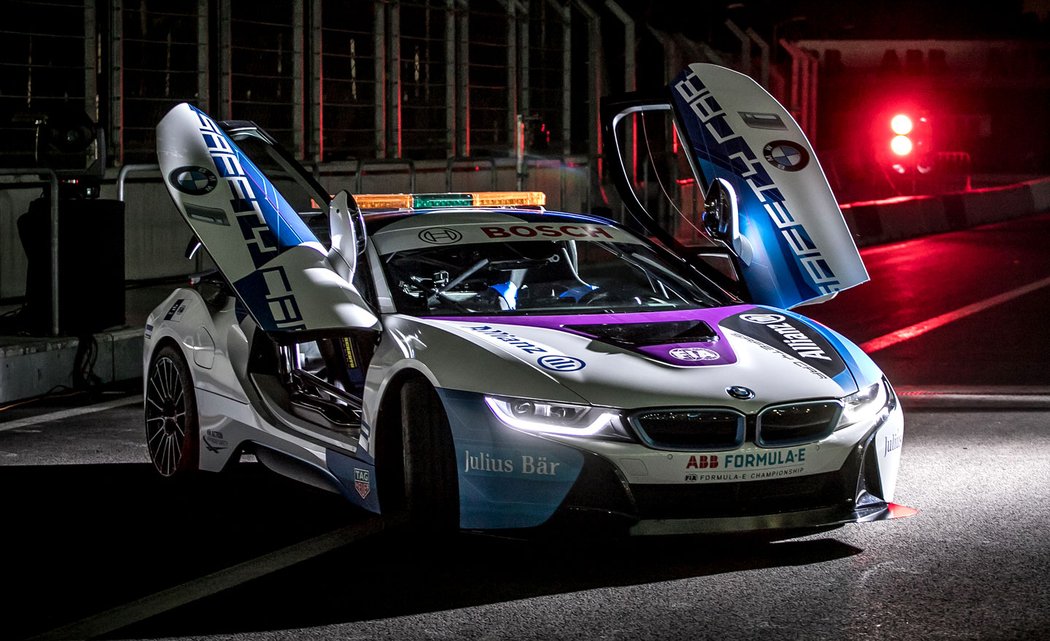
(865,404)
(544,417)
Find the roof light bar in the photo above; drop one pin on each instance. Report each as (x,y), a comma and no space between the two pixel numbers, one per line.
(437,201)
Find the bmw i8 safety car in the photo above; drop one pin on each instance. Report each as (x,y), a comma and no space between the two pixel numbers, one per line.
(480,362)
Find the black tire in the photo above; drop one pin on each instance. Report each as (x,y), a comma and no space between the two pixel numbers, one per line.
(172,427)
(431,483)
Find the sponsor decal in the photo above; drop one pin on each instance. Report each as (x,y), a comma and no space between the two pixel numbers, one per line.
(786,155)
(522,464)
(694,354)
(768,458)
(802,344)
(745,466)
(559,363)
(149,330)
(720,145)
(510,339)
(725,475)
(702,462)
(789,336)
(893,442)
(195,181)
(773,350)
(763,319)
(440,236)
(757,120)
(546,231)
(214,441)
(362,482)
(176,310)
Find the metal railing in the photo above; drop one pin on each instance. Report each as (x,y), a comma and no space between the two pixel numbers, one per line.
(132,169)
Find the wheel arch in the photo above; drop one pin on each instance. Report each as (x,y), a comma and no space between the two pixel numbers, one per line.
(388,445)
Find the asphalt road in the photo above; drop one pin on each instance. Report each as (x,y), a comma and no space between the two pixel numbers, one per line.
(93,539)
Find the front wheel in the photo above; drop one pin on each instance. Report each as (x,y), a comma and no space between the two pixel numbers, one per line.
(172,428)
(431,483)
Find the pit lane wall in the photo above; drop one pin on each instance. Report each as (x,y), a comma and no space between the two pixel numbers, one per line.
(882,221)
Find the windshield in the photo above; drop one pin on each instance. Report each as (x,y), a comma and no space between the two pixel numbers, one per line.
(543,277)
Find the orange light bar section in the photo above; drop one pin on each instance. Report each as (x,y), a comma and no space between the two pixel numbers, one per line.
(384,201)
(509,198)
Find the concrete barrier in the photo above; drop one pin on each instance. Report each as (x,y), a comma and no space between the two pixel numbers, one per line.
(882,221)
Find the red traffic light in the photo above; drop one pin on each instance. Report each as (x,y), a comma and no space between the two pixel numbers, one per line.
(901,124)
(901,145)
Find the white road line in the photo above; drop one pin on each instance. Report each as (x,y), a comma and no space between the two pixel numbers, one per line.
(205,586)
(986,397)
(75,411)
(920,328)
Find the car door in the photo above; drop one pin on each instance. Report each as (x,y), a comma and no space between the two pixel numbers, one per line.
(280,271)
(789,244)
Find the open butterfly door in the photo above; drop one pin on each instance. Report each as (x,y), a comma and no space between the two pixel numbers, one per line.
(279,269)
(768,202)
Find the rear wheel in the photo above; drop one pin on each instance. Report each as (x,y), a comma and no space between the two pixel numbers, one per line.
(431,484)
(172,429)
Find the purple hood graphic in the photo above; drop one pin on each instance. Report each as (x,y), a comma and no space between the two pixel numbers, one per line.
(687,338)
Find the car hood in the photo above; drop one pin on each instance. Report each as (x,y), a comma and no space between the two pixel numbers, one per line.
(650,359)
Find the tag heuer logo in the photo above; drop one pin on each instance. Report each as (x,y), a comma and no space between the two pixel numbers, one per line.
(362,482)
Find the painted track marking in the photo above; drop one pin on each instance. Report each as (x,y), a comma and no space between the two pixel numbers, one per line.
(920,328)
(75,411)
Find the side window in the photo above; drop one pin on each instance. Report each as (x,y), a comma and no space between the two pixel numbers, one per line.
(364,284)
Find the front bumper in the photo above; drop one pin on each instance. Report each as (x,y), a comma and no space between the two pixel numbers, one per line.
(586,486)
(850,494)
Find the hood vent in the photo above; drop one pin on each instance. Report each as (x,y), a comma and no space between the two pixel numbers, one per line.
(642,334)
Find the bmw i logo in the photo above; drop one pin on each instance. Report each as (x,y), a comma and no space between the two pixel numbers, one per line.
(740,392)
(195,181)
(440,236)
(762,319)
(786,155)
(559,363)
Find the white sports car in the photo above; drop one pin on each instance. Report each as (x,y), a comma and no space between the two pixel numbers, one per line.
(476,361)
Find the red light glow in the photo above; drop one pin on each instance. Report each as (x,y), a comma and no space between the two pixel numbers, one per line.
(901,145)
(901,124)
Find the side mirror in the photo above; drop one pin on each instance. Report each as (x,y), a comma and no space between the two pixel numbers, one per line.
(721,219)
(348,235)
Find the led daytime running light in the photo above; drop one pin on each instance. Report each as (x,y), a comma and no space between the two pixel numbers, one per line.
(501,409)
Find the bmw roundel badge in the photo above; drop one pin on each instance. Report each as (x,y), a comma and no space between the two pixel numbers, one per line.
(786,155)
(740,392)
(195,181)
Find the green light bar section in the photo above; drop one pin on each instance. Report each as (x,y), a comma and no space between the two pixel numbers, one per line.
(426,201)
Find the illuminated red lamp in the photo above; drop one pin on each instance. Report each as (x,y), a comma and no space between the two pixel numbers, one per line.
(901,124)
(901,144)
